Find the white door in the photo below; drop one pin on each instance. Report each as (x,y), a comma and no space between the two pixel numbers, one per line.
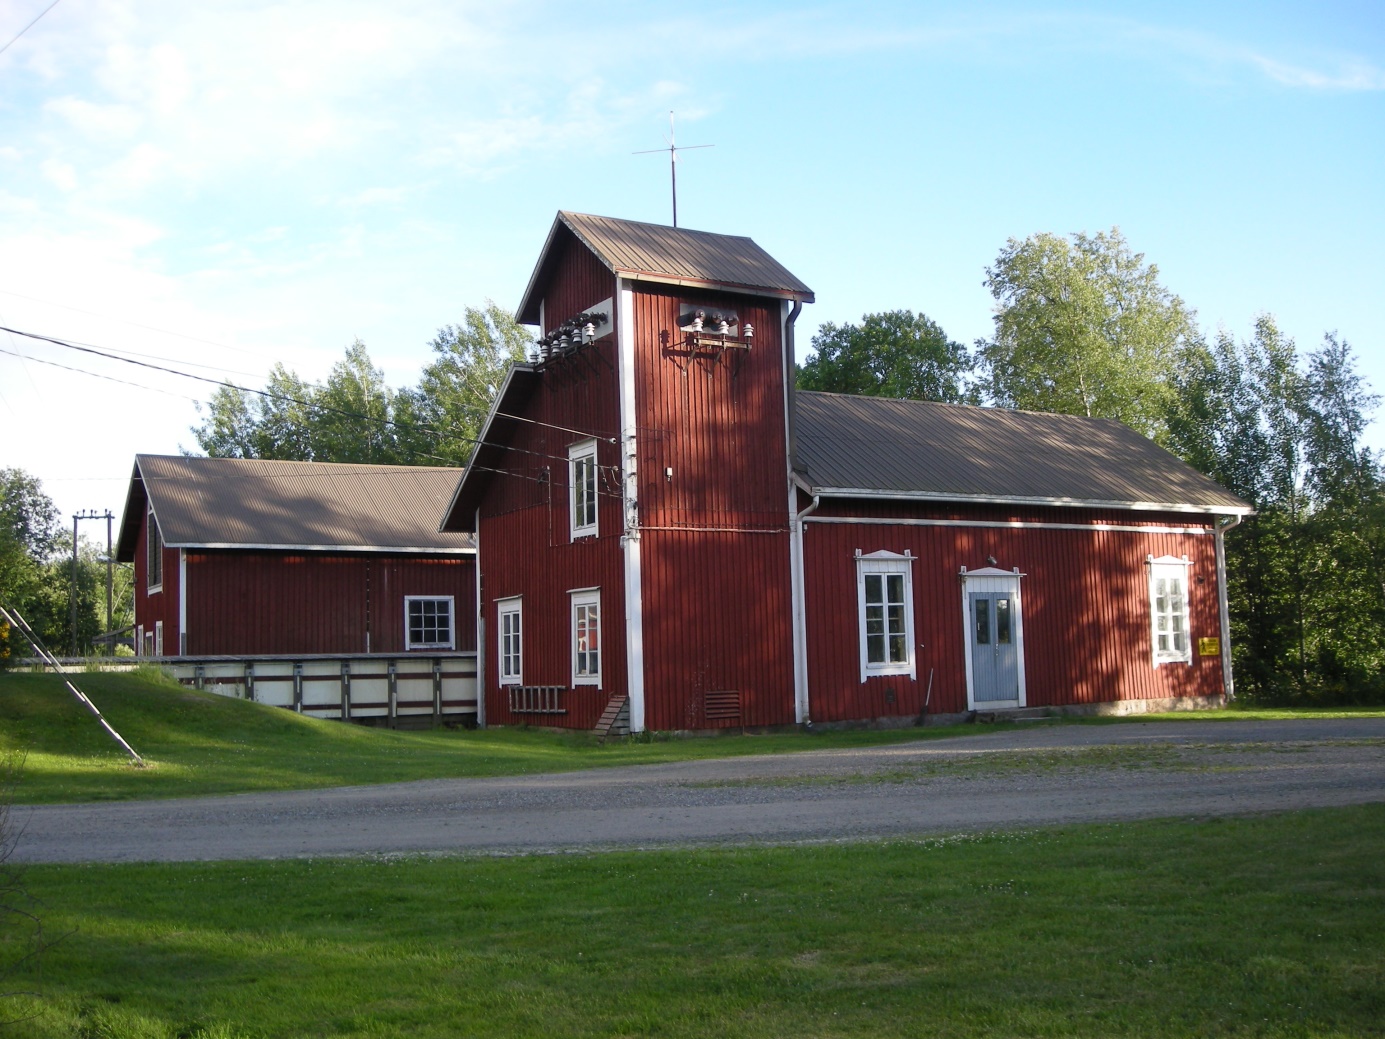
(994,627)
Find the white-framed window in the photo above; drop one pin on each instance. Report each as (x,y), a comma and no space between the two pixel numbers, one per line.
(510,625)
(158,638)
(885,609)
(154,555)
(428,622)
(586,636)
(581,464)
(1168,610)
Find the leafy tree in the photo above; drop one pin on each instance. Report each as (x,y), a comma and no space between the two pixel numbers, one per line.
(470,362)
(892,354)
(1084,327)
(1305,572)
(356,417)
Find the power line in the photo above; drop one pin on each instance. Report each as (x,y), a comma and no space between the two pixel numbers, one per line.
(29,26)
(269,395)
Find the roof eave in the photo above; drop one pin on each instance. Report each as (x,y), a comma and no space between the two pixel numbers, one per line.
(1015,499)
(723,286)
(527,311)
(469,475)
(266,547)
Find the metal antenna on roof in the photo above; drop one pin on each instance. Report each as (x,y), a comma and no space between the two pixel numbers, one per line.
(673,151)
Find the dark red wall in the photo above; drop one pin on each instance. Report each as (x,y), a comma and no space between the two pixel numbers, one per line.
(242,603)
(715,547)
(525,545)
(1085,600)
(161,605)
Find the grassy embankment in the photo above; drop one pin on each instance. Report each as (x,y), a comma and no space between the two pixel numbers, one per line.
(199,743)
(1264,926)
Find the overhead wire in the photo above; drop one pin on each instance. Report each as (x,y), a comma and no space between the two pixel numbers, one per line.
(270,395)
(29,26)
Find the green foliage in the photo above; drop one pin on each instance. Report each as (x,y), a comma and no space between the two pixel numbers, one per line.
(1083,328)
(893,354)
(1264,926)
(356,417)
(1305,573)
(470,363)
(36,572)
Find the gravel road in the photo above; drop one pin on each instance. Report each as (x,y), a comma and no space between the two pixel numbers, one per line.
(1034,776)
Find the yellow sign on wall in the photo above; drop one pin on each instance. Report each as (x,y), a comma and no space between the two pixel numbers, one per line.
(1209,647)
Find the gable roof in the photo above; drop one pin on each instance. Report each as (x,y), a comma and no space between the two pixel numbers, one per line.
(671,255)
(874,447)
(307,506)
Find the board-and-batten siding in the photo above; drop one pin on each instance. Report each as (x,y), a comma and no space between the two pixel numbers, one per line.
(249,602)
(715,549)
(1085,600)
(525,543)
(161,605)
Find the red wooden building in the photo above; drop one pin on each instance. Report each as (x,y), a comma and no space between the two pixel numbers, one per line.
(240,557)
(666,528)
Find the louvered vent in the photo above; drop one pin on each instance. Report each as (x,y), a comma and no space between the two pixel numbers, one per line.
(723,707)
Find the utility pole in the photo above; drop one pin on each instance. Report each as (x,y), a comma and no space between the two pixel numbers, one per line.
(673,150)
(91,514)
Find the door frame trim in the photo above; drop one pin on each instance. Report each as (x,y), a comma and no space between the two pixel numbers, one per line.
(992,579)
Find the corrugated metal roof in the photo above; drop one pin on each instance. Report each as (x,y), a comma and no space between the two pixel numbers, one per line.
(675,255)
(905,448)
(255,503)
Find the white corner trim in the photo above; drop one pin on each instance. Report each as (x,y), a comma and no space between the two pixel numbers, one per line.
(182,635)
(630,535)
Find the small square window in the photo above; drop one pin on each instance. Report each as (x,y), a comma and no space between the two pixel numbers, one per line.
(582,483)
(428,622)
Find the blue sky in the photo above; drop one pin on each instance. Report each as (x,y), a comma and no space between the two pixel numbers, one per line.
(231,184)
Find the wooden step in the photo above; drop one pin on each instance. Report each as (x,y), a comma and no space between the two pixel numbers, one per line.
(615,719)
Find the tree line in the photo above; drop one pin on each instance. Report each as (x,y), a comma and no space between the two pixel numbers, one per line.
(36,574)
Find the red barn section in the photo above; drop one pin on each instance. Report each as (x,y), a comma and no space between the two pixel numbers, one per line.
(763,556)
(691,556)
(264,558)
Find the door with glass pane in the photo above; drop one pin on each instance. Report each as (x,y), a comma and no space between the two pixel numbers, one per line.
(994,648)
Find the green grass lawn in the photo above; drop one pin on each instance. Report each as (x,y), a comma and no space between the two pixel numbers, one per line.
(199,743)
(1260,926)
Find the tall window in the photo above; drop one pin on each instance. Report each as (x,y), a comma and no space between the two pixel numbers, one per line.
(428,622)
(884,590)
(511,615)
(1168,608)
(586,637)
(154,555)
(582,481)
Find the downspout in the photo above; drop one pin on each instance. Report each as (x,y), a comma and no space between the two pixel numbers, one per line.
(1223,608)
(480,630)
(797,617)
(800,615)
(791,388)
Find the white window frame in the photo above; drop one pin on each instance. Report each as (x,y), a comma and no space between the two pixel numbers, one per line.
(451,642)
(585,601)
(158,638)
(153,549)
(511,664)
(885,564)
(1168,567)
(581,461)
